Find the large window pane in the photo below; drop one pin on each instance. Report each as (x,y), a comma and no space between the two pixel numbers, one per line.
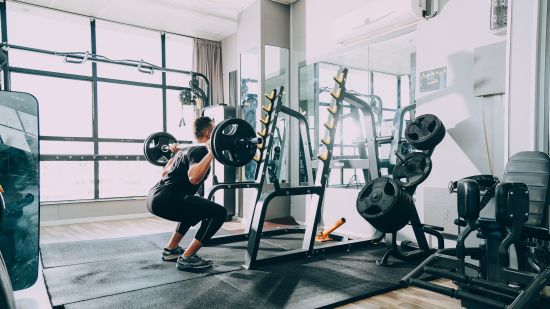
(66,180)
(69,148)
(179,55)
(126,178)
(385,86)
(121,148)
(63,103)
(129,111)
(174,114)
(56,31)
(120,42)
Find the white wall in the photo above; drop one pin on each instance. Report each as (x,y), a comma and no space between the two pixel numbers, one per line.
(448,40)
(320,15)
(298,22)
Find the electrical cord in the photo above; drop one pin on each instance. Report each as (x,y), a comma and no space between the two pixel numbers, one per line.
(485,136)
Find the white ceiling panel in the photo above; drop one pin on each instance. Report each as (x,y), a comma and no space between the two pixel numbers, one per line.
(209,19)
(390,56)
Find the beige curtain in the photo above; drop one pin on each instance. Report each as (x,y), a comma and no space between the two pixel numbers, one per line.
(207,59)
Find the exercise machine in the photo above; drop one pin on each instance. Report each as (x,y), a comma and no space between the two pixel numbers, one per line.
(520,219)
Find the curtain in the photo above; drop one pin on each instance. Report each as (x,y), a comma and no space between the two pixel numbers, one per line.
(207,59)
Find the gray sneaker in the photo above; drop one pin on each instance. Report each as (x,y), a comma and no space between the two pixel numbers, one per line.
(171,255)
(192,262)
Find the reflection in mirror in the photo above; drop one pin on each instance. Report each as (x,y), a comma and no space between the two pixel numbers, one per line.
(249,99)
(19,166)
(276,75)
(381,74)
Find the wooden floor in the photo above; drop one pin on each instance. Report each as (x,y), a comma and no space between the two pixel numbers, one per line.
(400,299)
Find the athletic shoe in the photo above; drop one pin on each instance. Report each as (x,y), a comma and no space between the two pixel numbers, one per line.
(171,255)
(192,262)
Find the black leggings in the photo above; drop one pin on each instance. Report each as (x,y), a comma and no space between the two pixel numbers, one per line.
(188,210)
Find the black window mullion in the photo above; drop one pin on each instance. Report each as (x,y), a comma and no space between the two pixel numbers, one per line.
(95,116)
(164,112)
(4,23)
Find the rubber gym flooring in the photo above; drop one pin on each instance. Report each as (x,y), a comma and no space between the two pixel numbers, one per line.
(128,273)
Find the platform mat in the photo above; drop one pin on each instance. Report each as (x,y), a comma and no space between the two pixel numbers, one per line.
(139,279)
(79,282)
(78,252)
(208,292)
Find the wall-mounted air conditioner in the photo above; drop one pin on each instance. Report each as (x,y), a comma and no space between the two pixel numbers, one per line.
(381,17)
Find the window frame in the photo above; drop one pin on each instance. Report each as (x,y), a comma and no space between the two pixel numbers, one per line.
(94,79)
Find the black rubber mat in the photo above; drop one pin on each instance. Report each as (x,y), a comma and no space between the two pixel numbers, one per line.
(310,283)
(124,278)
(127,272)
(208,292)
(78,252)
(365,261)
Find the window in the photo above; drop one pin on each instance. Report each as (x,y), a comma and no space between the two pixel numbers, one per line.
(385,86)
(128,111)
(66,180)
(119,42)
(129,108)
(57,31)
(63,103)
(126,178)
(174,114)
(179,55)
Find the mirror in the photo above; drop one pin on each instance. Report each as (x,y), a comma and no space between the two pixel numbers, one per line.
(249,99)
(276,68)
(381,74)
(19,177)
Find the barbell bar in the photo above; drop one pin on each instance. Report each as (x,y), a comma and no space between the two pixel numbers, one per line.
(254,140)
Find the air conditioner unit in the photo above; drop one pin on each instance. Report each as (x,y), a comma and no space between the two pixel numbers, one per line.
(381,17)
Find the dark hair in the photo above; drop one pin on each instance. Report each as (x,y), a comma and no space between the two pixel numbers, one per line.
(200,126)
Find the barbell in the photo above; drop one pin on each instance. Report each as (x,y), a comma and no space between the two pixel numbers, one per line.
(233,142)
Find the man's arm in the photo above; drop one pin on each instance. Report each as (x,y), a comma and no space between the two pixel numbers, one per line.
(198,170)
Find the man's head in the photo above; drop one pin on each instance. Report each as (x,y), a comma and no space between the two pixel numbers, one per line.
(202,127)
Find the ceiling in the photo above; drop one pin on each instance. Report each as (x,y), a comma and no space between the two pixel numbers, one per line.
(209,19)
(389,56)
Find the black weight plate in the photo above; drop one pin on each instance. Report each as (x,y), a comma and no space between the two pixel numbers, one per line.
(377,198)
(226,145)
(153,148)
(418,169)
(384,204)
(425,132)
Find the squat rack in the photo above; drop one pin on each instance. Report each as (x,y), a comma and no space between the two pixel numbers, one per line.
(142,65)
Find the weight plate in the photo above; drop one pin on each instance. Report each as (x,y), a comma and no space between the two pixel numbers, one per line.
(413,171)
(425,132)
(156,148)
(384,204)
(228,142)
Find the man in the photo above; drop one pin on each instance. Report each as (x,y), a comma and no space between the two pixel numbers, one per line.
(173,198)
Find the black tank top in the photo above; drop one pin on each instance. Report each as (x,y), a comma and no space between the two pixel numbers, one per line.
(177,177)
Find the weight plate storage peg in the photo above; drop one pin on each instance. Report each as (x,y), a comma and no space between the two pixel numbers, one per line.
(385,205)
(412,169)
(425,132)
(155,149)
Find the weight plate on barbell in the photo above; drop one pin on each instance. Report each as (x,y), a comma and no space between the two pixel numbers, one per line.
(425,132)
(156,148)
(413,171)
(229,144)
(384,204)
